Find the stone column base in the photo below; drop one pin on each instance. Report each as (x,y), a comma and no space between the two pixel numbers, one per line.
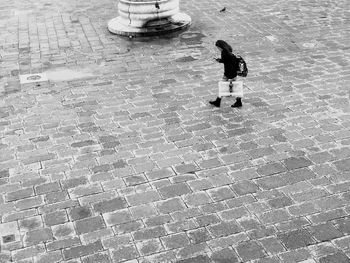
(152,28)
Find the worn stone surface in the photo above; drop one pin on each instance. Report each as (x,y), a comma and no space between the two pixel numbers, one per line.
(89,224)
(296,239)
(37,236)
(250,250)
(83,250)
(120,158)
(337,257)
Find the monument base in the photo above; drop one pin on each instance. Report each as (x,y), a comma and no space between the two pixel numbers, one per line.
(152,28)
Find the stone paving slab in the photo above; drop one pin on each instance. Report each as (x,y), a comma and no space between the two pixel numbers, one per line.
(118,157)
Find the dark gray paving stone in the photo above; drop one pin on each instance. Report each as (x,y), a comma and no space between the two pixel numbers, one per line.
(343,165)
(250,250)
(343,224)
(296,162)
(174,190)
(197,259)
(149,233)
(199,235)
(97,258)
(338,258)
(110,205)
(83,250)
(325,232)
(296,239)
(245,187)
(175,241)
(271,168)
(280,202)
(37,236)
(224,229)
(79,212)
(224,256)
(90,224)
(55,218)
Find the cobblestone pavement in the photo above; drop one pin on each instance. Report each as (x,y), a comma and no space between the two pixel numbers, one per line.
(120,158)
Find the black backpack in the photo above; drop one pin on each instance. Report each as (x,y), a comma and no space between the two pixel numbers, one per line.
(242,67)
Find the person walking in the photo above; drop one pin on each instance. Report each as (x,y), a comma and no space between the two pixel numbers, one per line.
(231,66)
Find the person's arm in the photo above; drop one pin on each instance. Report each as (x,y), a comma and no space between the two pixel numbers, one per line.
(222,59)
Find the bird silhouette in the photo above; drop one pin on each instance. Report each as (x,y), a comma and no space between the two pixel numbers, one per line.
(223,10)
(157,5)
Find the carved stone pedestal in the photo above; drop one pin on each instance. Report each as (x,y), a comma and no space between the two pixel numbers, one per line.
(148,17)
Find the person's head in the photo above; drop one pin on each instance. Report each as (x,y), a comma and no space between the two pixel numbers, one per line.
(223,46)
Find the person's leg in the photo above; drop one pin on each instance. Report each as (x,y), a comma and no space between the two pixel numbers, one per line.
(217,102)
(238,102)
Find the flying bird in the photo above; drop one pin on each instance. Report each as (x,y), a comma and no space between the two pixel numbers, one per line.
(223,10)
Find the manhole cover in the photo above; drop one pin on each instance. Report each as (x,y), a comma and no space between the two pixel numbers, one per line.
(31,78)
(34,77)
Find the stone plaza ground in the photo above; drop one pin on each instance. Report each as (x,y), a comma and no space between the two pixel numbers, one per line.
(118,157)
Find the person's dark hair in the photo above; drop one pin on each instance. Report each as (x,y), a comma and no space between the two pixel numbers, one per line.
(222,44)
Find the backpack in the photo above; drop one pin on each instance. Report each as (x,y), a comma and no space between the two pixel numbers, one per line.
(242,67)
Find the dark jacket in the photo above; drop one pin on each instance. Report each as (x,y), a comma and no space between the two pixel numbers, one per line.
(231,64)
